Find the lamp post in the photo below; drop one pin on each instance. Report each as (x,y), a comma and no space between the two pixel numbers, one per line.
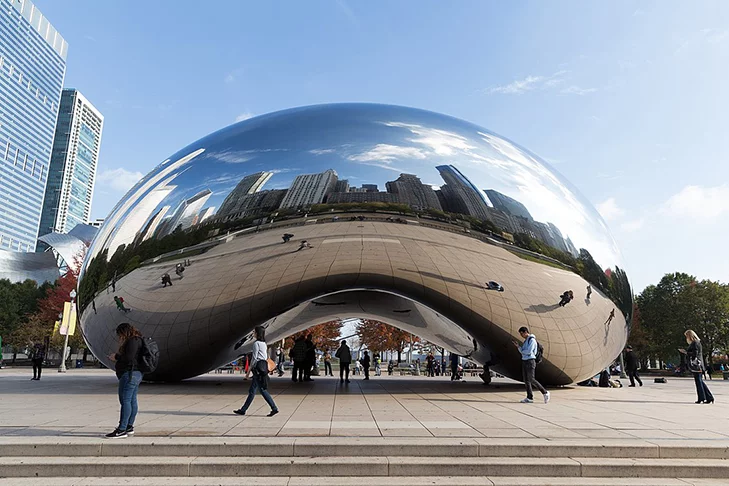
(62,368)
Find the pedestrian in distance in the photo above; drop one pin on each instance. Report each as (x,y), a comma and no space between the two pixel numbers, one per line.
(589,291)
(120,304)
(298,356)
(366,365)
(454,366)
(304,245)
(631,366)
(280,361)
(695,364)
(38,353)
(259,366)
(430,361)
(166,280)
(310,359)
(378,364)
(93,305)
(126,364)
(328,363)
(530,354)
(345,359)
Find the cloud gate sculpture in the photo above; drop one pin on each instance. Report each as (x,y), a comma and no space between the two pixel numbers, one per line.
(413,218)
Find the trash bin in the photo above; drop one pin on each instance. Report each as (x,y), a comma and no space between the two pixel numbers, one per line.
(79,363)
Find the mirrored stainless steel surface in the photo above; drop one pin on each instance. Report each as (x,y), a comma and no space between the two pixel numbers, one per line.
(420,220)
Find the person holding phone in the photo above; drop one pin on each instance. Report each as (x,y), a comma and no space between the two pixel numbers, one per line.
(695,362)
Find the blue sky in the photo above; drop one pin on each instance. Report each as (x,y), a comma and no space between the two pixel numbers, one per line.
(627,100)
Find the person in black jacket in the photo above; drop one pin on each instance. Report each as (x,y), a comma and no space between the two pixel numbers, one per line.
(695,362)
(298,356)
(127,371)
(39,354)
(631,366)
(366,365)
(310,359)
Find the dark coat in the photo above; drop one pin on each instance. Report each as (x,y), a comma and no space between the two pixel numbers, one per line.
(631,361)
(695,351)
(298,352)
(344,355)
(127,359)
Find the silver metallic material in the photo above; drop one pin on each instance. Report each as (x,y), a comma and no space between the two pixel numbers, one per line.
(417,219)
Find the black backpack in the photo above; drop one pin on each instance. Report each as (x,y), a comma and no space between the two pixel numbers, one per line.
(148,355)
(540,353)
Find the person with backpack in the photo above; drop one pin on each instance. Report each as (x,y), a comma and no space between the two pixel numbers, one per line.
(531,354)
(127,366)
(259,365)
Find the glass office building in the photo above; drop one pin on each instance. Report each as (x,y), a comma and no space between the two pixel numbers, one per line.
(32,68)
(73,164)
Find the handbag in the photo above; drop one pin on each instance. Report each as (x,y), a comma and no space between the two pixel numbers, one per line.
(271,365)
(694,365)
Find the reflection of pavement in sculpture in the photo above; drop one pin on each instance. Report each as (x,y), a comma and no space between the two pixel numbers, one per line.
(254,278)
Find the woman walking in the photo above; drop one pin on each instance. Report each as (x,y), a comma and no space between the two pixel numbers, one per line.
(259,369)
(127,371)
(695,361)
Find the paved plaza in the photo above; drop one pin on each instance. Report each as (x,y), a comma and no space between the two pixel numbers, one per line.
(83,403)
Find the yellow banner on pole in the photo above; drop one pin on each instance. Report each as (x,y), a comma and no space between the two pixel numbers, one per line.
(56,326)
(72,320)
(66,318)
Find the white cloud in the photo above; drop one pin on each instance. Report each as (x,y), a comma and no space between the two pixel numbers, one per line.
(576,90)
(387,153)
(529,83)
(244,116)
(119,179)
(632,226)
(698,203)
(321,151)
(609,209)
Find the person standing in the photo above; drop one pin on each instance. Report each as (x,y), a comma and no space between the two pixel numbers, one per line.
(259,367)
(310,359)
(631,366)
(378,364)
(280,361)
(695,362)
(366,365)
(126,365)
(39,355)
(345,359)
(430,360)
(589,291)
(528,351)
(328,363)
(454,366)
(298,356)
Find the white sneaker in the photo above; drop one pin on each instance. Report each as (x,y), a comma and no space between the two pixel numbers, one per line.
(526,400)
(546,397)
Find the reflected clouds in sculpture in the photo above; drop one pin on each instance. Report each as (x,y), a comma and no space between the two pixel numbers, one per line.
(418,206)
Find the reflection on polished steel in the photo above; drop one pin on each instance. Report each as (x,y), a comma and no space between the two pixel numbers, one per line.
(396,214)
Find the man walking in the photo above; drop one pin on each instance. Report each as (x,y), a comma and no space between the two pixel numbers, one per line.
(345,359)
(528,351)
(631,366)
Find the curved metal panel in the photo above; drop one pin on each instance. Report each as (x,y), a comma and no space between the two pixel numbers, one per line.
(18,266)
(475,234)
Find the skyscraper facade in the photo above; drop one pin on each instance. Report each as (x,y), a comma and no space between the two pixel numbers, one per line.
(461,194)
(507,204)
(32,68)
(72,171)
(250,184)
(410,190)
(310,189)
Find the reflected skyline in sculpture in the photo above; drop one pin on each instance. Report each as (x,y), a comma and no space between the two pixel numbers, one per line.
(299,166)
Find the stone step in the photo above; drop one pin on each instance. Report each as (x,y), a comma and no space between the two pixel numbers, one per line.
(364,481)
(370,466)
(358,446)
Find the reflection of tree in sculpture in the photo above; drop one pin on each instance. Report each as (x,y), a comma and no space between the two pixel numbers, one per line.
(380,337)
(324,335)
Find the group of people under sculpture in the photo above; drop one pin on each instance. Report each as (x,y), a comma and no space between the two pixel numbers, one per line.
(127,366)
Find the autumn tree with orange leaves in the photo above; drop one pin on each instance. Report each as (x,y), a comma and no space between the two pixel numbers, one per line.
(324,335)
(381,337)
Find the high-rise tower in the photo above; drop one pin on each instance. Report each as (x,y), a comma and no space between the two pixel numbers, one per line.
(72,171)
(32,68)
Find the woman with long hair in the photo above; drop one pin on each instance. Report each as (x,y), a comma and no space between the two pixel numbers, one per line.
(695,362)
(127,371)
(259,369)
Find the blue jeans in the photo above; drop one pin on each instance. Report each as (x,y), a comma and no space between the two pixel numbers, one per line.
(128,387)
(255,386)
(702,390)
